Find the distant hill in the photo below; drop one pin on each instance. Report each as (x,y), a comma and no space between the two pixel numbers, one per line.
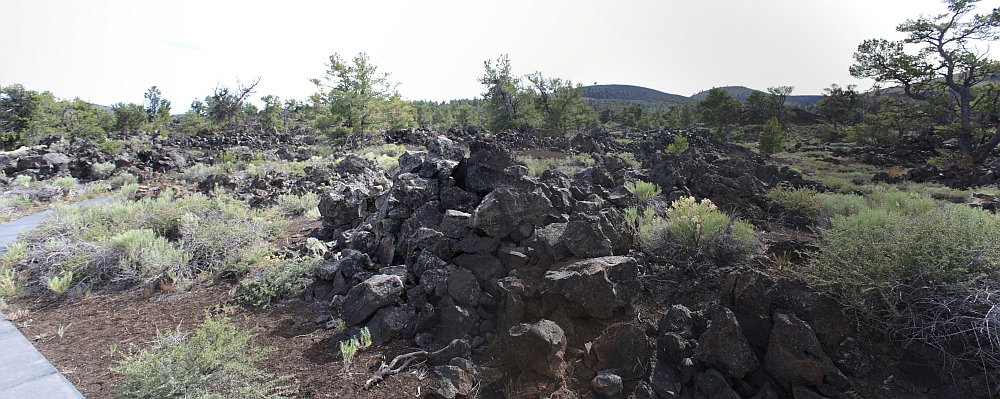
(738,92)
(741,93)
(630,93)
(615,96)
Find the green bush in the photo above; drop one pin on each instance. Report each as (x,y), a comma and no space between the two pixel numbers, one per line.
(882,197)
(60,283)
(698,227)
(127,242)
(891,199)
(771,139)
(802,204)
(870,255)
(650,230)
(219,360)
(65,183)
(842,204)
(696,224)
(298,204)
(643,190)
(103,169)
(277,279)
(924,276)
(123,179)
(146,255)
(111,147)
(10,282)
(679,145)
(10,204)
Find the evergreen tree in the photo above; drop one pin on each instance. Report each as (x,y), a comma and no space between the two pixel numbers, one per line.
(771,139)
(720,109)
(503,106)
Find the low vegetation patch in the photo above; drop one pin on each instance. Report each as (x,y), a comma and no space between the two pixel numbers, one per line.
(909,267)
(699,228)
(219,360)
(277,278)
(643,190)
(173,241)
(298,204)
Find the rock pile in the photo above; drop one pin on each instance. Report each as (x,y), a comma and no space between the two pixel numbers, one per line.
(458,251)
(464,250)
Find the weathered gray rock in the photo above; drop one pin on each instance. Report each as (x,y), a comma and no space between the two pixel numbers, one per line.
(455,224)
(512,306)
(411,161)
(663,380)
(644,391)
(392,322)
(484,266)
(445,148)
(505,208)
(464,289)
(801,392)
(427,215)
(675,335)
(352,198)
(343,203)
(456,322)
(547,245)
(585,238)
(350,262)
(454,381)
(427,261)
(458,199)
(366,298)
(432,241)
(474,244)
(607,385)
(851,359)
(513,257)
(724,347)
(766,392)
(485,165)
(539,347)
(360,238)
(587,284)
(409,191)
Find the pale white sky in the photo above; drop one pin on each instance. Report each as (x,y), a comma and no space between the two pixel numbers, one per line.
(108,51)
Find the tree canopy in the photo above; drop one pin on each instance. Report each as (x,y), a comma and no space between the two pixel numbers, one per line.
(947,61)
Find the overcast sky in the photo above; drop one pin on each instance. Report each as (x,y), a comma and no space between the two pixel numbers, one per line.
(107,52)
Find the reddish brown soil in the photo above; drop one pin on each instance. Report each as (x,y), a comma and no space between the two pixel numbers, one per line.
(103,329)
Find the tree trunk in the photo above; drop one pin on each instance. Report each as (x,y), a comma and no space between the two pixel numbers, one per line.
(984,150)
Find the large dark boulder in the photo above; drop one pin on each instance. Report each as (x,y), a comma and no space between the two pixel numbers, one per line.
(350,263)
(464,289)
(539,347)
(585,237)
(795,356)
(392,322)
(484,167)
(409,191)
(624,349)
(366,298)
(505,208)
(724,346)
(588,284)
